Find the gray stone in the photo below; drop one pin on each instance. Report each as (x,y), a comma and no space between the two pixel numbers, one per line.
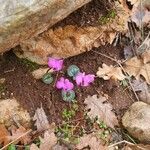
(137,121)
(22,19)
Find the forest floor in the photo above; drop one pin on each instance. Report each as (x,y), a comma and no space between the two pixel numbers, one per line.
(32,94)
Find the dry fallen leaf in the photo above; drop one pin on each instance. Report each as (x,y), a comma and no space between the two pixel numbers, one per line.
(48,141)
(137,67)
(99,107)
(128,53)
(145,49)
(140,14)
(4,135)
(143,90)
(34,147)
(41,120)
(17,132)
(59,147)
(137,147)
(107,72)
(92,141)
(42,124)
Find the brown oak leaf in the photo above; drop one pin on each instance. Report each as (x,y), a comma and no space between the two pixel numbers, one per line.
(139,66)
(92,141)
(107,72)
(99,107)
(41,121)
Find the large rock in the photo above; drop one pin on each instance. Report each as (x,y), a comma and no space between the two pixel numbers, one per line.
(137,121)
(10,111)
(71,40)
(22,19)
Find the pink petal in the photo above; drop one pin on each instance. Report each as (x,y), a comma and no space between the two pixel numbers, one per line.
(68,85)
(55,64)
(88,79)
(79,78)
(60,83)
(58,65)
(64,84)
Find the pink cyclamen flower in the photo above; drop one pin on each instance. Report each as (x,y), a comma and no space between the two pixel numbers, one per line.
(64,84)
(84,80)
(55,64)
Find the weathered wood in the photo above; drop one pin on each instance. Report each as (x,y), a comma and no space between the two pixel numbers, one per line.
(22,19)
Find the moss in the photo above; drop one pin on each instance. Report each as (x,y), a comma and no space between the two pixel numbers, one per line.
(2,88)
(29,64)
(108,17)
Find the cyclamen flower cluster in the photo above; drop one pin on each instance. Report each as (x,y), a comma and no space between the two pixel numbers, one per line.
(66,85)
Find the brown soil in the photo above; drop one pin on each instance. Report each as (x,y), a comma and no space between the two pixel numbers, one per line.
(32,93)
(87,15)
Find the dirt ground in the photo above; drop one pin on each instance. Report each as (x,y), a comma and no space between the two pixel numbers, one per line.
(32,93)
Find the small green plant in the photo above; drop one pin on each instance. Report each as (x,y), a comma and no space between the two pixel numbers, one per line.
(104,135)
(68,96)
(29,64)
(73,70)
(102,125)
(27,147)
(124,83)
(66,132)
(12,147)
(47,78)
(68,114)
(108,17)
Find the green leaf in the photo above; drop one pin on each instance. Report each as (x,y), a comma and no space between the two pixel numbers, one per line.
(27,147)
(12,147)
(47,78)
(73,70)
(68,96)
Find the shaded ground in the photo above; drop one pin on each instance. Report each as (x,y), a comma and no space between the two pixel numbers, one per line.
(87,15)
(32,93)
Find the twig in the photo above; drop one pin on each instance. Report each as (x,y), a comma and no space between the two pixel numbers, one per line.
(120,142)
(141,23)
(126,142)
(120,65)
(16,139)
(11,70)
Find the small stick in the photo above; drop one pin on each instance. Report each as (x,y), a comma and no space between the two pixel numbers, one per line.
(16,139)
(11,70)
(120,142)
(124,141)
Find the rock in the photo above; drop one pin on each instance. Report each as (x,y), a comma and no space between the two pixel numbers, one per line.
(137,121)
(11,111)
(23,19)
(60,43)
(67,41)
